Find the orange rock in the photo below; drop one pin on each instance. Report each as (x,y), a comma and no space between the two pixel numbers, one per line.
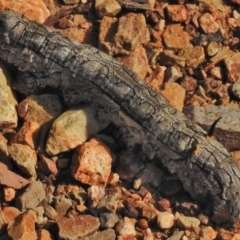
(23,226)
(43,234)
(92,163)
(175,94)
(28,134)
(34,10)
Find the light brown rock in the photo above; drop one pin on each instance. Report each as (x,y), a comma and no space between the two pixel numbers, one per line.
(28,134)
(11,179)
(194,56)
(175,37)
(4,155)
(165,220)
(33,10)
(208,233)
(207,23)
(23,226)
(149,212)
(233,63)
(24,157)
(187,222)
(175,94)
(42,108)
(31,196)
(8,103)
(132,32)
(107,234)
(92,163)
(177,13)
(73,128)
(126,228)
(107,8)
(9,194)
(77,226)
(137,60)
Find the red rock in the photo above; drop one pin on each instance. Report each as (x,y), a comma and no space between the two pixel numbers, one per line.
(23,226)
(92,163)
(28,134)
(34,10)
(47,166)
(177,13)
(11,179)
(77,226)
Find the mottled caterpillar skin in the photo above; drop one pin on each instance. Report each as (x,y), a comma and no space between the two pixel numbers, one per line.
(48,61)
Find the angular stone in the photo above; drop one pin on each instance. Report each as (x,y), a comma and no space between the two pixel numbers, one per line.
(34,10)
(24,157)
(175,37)
(43,108)
(31,197)
(77,226)
(108,8)
(107,234)
(132,32)
(177,13)
(47,166)
(107,31)
(221,55)
(176,236)
(4,155)
(233,64)
(187,222)
(126,228)
(73,128)
(157,77)
(149,212)
(23,226)
(92,163)
(62,205)
(108,220)
(207,23)
(175,94)
(213,48)
(8,103)
(227,129)
(194,56)
(11,179)
(28,134)
(137,60)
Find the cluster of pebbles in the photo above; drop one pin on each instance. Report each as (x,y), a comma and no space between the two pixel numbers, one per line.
(63,175)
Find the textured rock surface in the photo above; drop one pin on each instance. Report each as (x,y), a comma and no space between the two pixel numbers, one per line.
(77,227)
(73,128)
(8,113)
(92,163)
(34,10)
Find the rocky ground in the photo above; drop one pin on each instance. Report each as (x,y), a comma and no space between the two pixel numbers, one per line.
(65,176)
